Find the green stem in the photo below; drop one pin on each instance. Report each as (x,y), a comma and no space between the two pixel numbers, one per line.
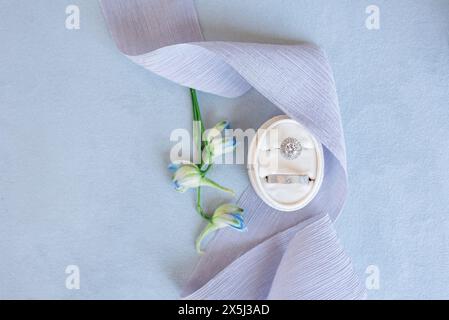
(199,144)
(213,184)
(199,209)
(204,172)
(196,130)
(196,106)
(197,118)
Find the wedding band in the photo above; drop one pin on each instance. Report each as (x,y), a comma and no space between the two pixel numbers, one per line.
(288,179)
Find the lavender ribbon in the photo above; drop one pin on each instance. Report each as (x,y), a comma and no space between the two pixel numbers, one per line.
(283,255)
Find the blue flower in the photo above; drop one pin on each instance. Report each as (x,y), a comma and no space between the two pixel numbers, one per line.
(187,176)
(216,131)
(215,144)
(226,215)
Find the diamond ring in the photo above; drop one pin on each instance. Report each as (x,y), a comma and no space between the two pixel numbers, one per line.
(290,148)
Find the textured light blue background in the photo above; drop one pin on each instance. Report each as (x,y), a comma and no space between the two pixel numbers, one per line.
(84,142)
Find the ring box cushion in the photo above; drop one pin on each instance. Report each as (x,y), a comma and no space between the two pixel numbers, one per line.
(264,159)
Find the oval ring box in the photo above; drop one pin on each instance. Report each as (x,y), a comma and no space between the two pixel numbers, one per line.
(285,184)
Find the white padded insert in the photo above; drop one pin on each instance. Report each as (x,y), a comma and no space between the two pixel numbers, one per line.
(267,160)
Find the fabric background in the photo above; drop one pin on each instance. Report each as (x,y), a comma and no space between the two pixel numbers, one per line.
(77,149)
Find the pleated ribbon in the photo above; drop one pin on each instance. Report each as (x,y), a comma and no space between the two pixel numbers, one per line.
(283,255)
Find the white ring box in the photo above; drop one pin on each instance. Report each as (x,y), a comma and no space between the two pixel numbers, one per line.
(276,178)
